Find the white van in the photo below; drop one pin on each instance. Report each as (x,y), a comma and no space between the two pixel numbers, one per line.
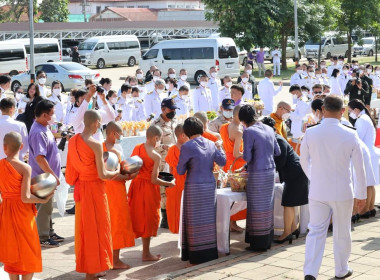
(330,46)
(13,59)
(45,49)
(110,50)
(195,55)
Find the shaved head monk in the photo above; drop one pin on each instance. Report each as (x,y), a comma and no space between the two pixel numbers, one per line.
(212,136)
(86,171)
(20,249)
(121,223)
(144,192)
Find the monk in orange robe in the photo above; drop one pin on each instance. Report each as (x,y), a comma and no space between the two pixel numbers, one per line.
(173,195)
(232,137)
(86,171)
(20,249)
(144,192)
(121,223)
(212,136)
(282,113)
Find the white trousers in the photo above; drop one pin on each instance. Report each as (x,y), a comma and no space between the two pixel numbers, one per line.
(276,66)
(320,214)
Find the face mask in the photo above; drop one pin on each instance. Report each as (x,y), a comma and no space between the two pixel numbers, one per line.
(340,62)
(52,120)
(310,95)
(299,72)
(323,66)
(311,74)
(171,76)
(19,96)
(356,67)
(285,116)
(324,75)
(183,77)
(369,71)
(129,95)
(113,100)
(345,72)
(42,81)
(167,86)
(361,72)
(203,83)
(245,80)
(214,74)
(229,84)
(159,91)
(295,97)
(353,116)
(139,76)
(56,91)
(155,78)
(228,114)
(135,98)
(318,75)
(304,93)
(170,115)
(249,72)
(117,141)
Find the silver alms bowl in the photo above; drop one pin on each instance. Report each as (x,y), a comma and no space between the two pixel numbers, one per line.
(132,164)
(43,185)
(110,160)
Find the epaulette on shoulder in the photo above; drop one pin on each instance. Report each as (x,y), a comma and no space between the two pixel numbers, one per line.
(173,96)
(349,126)
(147,83)
(140,100)
(314,125)
(149,93)
(306,77)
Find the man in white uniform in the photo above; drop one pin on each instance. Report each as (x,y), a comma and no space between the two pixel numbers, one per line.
(182,101)
(225,92)
(267,92)
(276,56)
(299,113)
(202,100)
(182,81)
(149,86)
(327,152)
(153,99)
(214,85)
(297,78)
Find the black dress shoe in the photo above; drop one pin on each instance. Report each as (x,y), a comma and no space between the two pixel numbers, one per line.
(373,212)
(296,233)
(71,210)
(366,215)
(354,219)
(349,273)
(281,241)
(310,277)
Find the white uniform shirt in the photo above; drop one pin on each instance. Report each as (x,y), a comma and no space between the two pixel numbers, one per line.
(214,86)
(335,86)
(309,82)
(224,93)
(138,110)
(182,83)
(127,106)
(327,151)
(366,132)
(2,93)
(59,108)
(247,91)
(183,104)
(343,80)
(44,91)
(296,79)
(202,100)
(70,113)
(276,55)
(149,87)
(376,82)
(331,68)
(152,104)
(173,92)
(8,124)
(297,116)
(267,92)
(142,91)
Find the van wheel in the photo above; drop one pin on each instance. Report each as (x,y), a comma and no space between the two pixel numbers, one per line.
(328,55)
(370,53)
(131,61)
(198,75)
(14,85)
(13,73)
(100,64)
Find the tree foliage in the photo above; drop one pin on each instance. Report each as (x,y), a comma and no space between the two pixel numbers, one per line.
(18,8)
(54,10)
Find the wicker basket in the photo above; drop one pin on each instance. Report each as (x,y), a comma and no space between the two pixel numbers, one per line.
(237,181)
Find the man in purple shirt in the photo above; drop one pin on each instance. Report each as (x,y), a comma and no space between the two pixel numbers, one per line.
(260,60)
(44,158)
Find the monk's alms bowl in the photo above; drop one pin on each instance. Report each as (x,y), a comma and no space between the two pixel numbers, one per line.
(43,185)
(131,165)
(164,176)
(111,161)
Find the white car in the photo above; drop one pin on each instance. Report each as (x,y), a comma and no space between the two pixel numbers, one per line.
(70,74)
(243,56)
(367,48)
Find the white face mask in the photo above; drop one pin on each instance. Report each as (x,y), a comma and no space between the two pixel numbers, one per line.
(183,77)
(56,91)
(214,74)
(299,71)
(369,71)
(52,120)
(203,83)
(361,72)
(295,97)
(129,95)
(229,84)
(113,100)
(139,76)
(318,75)
(249,72)
(304,93)
(244,80)
(19,96)
(353,115)
(228,114)
(340,62)
(171,76)
(310,95)
(159,91)
(324,75)
(135,98)
(285,116)
(155,78)
(356,67)
(345,72)
(323,66)
(311,74)
(42,81)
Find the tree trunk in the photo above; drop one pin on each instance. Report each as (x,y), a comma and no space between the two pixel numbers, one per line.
(319,51)
(284,41)
(349,40)
(375,48)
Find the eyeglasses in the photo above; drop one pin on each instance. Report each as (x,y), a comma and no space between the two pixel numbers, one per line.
(318,92)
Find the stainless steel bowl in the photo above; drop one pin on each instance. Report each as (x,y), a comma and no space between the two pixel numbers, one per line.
(43,185)
(132,165)
(110,160)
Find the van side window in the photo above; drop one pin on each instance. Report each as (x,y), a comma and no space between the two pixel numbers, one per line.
(43,48)
(8,55)
(111,46)
(227,52)
(133,45)
(201,53)
(151,54)
(99,47)
(172,54)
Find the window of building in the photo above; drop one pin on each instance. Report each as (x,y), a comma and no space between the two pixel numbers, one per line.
(143,6)
(130,6)
(98,9)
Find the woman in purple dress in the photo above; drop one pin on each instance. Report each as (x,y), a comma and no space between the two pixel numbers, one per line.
(260,147)
(197,158)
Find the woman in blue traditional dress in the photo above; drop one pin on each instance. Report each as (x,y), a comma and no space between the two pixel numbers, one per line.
(197,158)
(260,147)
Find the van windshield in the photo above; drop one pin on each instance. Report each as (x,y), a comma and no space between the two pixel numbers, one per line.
(367,41)
(86,46)
(314,43)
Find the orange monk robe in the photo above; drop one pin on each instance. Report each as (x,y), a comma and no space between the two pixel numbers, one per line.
(121,223)
(228,146)
(20,250)
(280,125)
(144,198)
(174,194)
(93,240)
(210,136)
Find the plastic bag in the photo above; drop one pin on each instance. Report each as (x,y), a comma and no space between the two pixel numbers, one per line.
(61,195)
